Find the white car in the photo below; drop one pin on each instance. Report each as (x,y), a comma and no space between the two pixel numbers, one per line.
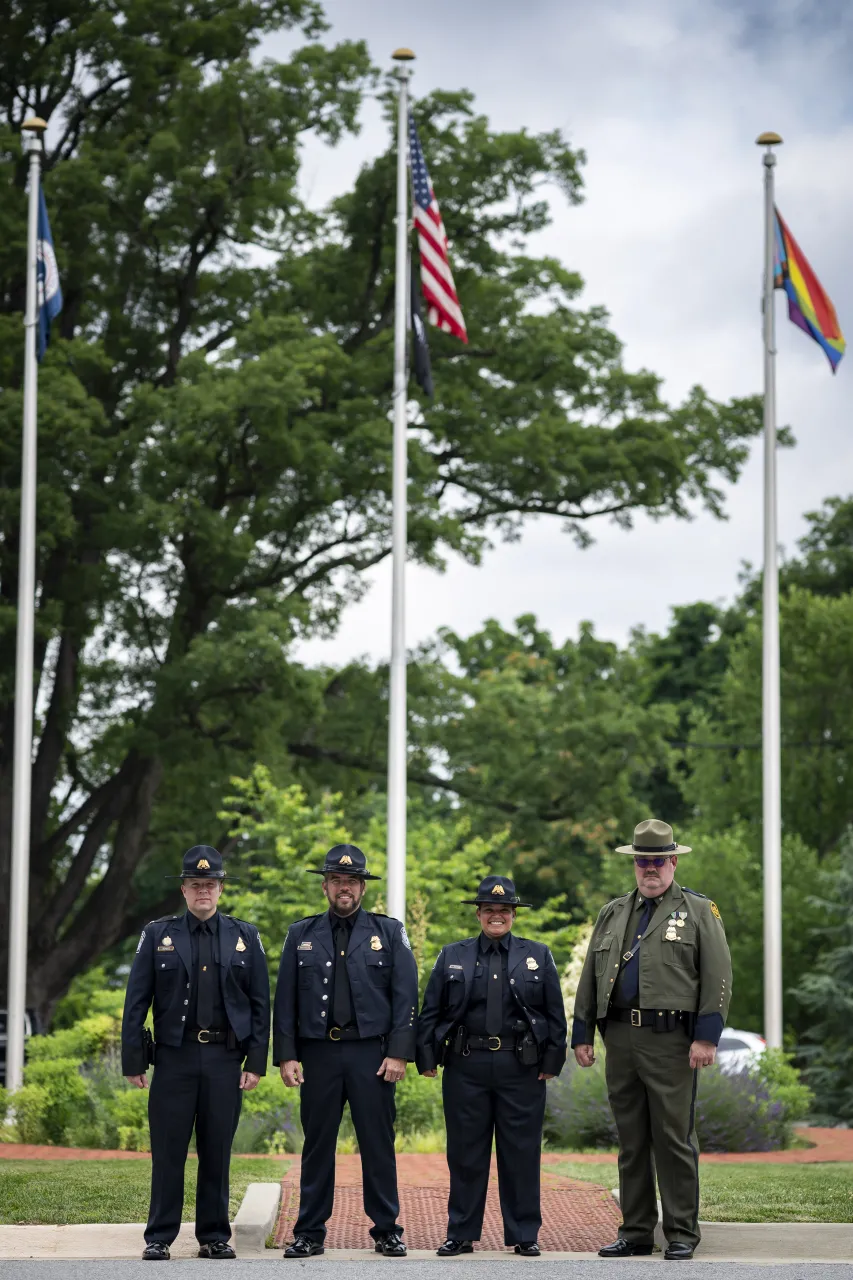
(738,1050)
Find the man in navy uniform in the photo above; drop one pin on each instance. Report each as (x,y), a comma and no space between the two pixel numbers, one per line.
(344,1028)
(493,1015)
(207,976)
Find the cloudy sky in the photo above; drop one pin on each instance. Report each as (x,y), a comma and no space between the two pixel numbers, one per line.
(667,98)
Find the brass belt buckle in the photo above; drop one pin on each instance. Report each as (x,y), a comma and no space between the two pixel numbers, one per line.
(636,1018)
(203,1033)
(332,1035)
(494,1047)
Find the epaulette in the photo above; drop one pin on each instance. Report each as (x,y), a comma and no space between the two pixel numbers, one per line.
(623,897)
(237,920)
(301,918)
(161,920)
(695,893)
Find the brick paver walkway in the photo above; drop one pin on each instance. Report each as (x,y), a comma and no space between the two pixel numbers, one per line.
(578,1217)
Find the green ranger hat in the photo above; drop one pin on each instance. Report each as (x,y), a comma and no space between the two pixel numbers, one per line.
(653,836)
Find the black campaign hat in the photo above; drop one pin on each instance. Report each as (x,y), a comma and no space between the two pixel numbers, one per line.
(344,860)
(499,890)
(201,862)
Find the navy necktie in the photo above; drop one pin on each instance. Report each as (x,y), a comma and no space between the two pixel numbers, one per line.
(630,977)
(494,993)
(341,1001)
(205,977)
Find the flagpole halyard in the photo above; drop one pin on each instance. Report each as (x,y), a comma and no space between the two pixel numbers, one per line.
(771,737)
(31,134)
(396,841)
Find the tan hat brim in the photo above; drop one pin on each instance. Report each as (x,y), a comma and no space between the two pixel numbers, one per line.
(650,853)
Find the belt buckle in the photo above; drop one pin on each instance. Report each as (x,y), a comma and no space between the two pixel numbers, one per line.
(636,1018)
(334,1037)
(204,1032)
(494,1047)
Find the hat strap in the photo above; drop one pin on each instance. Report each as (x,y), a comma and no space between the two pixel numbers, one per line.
(654,848)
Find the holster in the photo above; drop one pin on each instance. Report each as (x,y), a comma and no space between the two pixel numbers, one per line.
(459,1041)
(527,1049)
(148,1046)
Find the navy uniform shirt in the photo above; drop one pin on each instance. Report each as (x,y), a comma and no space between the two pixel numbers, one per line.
(383,980)
(162,976)
(534,986)
(490,968)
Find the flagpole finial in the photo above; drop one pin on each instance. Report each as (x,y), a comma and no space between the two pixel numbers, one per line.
(768,140)
(403,55)
(34,124)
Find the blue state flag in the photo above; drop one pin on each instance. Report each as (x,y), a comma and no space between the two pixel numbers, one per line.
(49,291)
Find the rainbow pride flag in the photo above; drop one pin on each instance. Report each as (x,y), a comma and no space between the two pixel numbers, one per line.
(808,305)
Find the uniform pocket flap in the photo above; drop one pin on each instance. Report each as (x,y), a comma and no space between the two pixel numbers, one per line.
(167,962)
(378,958)
(605,943)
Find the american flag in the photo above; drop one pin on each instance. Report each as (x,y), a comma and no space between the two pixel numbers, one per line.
(439,290)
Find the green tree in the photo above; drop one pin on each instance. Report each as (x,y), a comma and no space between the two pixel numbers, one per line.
(826,996)
(816,637)
(214,470)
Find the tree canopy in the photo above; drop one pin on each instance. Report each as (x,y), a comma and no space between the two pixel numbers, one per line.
(215,444)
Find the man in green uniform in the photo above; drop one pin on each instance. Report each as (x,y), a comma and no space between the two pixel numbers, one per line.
(656,982)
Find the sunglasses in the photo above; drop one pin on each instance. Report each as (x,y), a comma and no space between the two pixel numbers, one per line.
(650,862)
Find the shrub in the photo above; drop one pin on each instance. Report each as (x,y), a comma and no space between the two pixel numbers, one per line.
(57,1100)
(269,1119)
(85,1040)
(752,1110)
(419,1107)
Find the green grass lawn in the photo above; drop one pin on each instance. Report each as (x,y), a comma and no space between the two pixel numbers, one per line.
(61,1191)
(756,1192)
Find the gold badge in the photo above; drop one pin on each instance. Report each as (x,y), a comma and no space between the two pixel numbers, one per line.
(375,943)
(241,946)
(202,865)
(345,860)
(167,941)
(531,963)
(499,889)
(715,910)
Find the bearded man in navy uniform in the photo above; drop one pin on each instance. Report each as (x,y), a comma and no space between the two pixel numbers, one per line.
(493,1015)
(344,1025)
(206,975)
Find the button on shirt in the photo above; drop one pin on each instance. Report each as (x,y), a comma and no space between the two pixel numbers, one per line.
(491,965)
(218,1017)
(626,993)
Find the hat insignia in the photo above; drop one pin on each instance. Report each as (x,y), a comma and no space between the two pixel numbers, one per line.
(375,943)
(167,941)
(202,865)
(531,963)
(241,946)
(344,860)
(499,889)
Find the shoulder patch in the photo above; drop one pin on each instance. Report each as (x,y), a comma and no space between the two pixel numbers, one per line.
(715,910)
(404,937)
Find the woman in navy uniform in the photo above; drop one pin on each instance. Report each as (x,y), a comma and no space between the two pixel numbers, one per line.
(343,1029)
(206,975)
(493,1015)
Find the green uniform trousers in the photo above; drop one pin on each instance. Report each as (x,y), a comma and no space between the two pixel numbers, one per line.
(652,1092)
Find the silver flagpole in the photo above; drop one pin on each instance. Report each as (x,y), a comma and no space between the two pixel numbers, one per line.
(399,499)
(771,736)
(23,744)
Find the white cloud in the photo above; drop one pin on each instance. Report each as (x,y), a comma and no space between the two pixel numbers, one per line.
(667,100)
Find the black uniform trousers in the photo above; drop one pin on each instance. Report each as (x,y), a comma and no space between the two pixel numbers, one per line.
(195,1085)
(337,1072)
(490,1093)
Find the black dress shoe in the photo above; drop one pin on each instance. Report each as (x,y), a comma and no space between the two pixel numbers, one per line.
(217,1249)
(530,1249)
(391,1245)
(156,1251)
(451,1248)
(302,1247)
(678,1252)
(625,1249)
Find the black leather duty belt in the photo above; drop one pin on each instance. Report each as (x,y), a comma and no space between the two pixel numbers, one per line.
(208,1037)
(343,1033)
(644,1017)
(493,1043)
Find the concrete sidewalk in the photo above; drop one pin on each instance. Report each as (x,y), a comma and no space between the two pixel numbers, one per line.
(744,1242)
